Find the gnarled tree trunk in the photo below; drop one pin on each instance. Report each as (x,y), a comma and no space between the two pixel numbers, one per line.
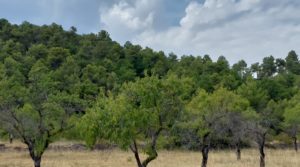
(150,158)
(153,154)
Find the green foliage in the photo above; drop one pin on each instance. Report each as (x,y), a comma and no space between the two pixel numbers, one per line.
(220,102)
(140,113)
(291,116)
(50,77)
(257,96)
(292,63)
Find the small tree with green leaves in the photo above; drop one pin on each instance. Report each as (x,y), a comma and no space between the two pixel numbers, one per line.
(37,108)
(136,117)
(291,122)
(260,126)
(208,112)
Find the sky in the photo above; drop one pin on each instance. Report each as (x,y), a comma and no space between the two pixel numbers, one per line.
(236,29)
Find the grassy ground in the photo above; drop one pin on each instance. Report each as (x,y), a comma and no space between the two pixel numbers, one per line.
(117,158)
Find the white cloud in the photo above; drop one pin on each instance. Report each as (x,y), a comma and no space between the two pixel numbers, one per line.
(125,19)
(214,11)
(238,29)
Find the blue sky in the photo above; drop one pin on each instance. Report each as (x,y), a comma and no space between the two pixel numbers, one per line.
(237,29)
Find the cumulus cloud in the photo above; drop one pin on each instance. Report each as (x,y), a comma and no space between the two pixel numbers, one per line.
(214,12)
(125,19)
(238,29)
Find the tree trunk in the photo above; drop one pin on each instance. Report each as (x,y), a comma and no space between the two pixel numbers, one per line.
(35,158)
(150,158)
(262,156)
(11,137)
(153,154)
(295,144)
(205,150)
(238,151)
(137,158)
(135,151)
(37,162)
(262,151)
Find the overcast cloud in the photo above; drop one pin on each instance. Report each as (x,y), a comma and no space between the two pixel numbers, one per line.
(237,29)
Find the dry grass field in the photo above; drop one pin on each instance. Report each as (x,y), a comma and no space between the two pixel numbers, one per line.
(117,158)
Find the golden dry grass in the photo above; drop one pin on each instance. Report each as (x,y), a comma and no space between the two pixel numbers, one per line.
(117,158)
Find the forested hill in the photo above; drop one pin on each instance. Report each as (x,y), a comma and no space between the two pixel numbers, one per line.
(50,78)
(95,60)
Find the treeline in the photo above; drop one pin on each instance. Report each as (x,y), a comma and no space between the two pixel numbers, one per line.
(56,83)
